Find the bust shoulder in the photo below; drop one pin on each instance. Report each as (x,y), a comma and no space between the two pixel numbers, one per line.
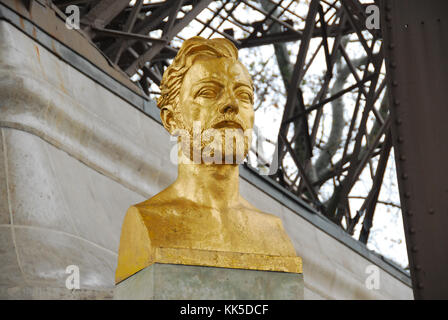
(181,223)
(178,223)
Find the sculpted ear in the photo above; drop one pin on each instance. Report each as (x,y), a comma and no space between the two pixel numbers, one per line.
(167,116)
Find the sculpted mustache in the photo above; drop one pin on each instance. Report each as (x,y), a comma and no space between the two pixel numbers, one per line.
(220,119)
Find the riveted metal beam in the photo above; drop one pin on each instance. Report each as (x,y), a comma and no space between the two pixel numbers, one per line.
(416,41)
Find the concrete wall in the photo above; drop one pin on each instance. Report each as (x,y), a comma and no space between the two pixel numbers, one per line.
(74,156)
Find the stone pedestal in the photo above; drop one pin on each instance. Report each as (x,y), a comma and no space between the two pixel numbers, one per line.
(182,282)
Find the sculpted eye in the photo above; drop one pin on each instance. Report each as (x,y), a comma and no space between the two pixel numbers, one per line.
(207,93)
(245,96)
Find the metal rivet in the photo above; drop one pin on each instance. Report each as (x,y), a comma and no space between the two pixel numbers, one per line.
(418,267)
(409,213)
(407,195)
(396,102)
(431,211)
(400,139)
(395,83)
(411,230)
(420,285)
(388,17)
(398,121)
(389,6)
(404,176)
(414,249)
(402,158)
(391,46)
(393,64)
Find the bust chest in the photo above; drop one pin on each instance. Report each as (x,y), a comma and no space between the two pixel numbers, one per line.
(231,229)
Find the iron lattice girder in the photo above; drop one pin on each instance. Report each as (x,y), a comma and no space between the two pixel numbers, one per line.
(104,12)
(117,28)
(295,111)
(169,31)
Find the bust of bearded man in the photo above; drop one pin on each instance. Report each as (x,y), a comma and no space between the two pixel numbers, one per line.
(201,219)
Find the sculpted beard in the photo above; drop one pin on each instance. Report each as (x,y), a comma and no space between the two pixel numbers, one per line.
(215,144)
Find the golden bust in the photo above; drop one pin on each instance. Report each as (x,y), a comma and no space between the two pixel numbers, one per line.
(201,219)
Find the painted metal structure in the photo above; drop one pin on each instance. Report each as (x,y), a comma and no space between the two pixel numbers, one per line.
(416,38)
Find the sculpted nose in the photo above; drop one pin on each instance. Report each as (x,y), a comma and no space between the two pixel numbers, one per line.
(231,106)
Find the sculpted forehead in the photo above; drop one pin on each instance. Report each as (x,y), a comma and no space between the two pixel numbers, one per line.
(221,69)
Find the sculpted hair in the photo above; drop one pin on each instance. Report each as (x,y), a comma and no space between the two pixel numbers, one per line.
(191,49)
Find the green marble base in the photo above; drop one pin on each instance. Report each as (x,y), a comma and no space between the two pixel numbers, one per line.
(181,282)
